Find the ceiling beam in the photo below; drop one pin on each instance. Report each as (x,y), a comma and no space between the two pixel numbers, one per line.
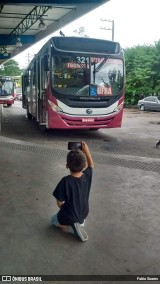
(25,14)
(10,40)
(4,58)
(1,8)
(20,17)
(51,2)
(30,20)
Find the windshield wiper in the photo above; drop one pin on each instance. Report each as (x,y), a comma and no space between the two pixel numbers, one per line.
(100,64)
(99,67)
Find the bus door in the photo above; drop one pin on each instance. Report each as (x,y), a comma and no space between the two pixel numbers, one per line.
(43,90)
(38,88)
(26,90)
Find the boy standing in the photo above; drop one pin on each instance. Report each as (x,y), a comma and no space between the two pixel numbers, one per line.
(72,193)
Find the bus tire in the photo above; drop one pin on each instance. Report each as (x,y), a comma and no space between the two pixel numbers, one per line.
(42,128)
(9,105)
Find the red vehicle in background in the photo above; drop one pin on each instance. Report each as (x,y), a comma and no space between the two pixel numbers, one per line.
(7,90)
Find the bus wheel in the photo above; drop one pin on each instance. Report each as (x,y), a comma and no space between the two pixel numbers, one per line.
(94,129)
(8,105)
(42,128)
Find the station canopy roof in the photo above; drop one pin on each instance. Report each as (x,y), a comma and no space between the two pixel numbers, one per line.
(25,22)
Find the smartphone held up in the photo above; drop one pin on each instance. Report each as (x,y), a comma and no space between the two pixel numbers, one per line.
(74,145)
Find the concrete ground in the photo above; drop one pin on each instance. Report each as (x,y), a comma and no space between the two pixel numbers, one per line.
(123,224)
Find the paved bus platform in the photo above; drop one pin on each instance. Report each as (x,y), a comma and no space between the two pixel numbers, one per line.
(123,224)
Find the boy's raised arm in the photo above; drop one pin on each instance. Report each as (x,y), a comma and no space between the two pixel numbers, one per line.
(86,151)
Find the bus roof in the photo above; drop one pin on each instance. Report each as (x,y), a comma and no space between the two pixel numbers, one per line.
(79,45)
(83,44)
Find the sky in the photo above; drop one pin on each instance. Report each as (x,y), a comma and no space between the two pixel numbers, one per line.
(136,22)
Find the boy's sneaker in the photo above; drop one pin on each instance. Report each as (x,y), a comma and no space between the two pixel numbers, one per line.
(83,224)
(158,144)
(79,232)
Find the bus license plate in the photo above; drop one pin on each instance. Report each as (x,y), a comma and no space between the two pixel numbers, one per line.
(87,119)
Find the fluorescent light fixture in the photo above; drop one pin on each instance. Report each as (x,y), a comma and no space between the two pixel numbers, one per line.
(42,25)
(18,42)
(5,53)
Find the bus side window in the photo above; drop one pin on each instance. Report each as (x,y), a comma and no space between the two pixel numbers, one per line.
(54,74)
(46,67)
(26,80)
(34,74)
(44,73)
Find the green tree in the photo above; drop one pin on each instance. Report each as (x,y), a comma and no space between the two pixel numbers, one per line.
(156,69)
(11,68)
(142,71)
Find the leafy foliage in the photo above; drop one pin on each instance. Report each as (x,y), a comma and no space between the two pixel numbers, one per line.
(142,72)
(11,68)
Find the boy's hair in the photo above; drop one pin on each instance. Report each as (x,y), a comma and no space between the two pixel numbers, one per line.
(76,161)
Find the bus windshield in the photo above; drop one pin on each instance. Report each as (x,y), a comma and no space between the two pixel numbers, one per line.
(6,87)
(87,76)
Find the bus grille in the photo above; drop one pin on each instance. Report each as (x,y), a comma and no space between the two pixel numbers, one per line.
(100,121)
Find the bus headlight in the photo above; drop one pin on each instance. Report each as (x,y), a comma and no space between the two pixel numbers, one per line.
(119,107)
(55,107)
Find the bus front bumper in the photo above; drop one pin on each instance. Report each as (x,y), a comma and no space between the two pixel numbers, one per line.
(63,121)
(6,101)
